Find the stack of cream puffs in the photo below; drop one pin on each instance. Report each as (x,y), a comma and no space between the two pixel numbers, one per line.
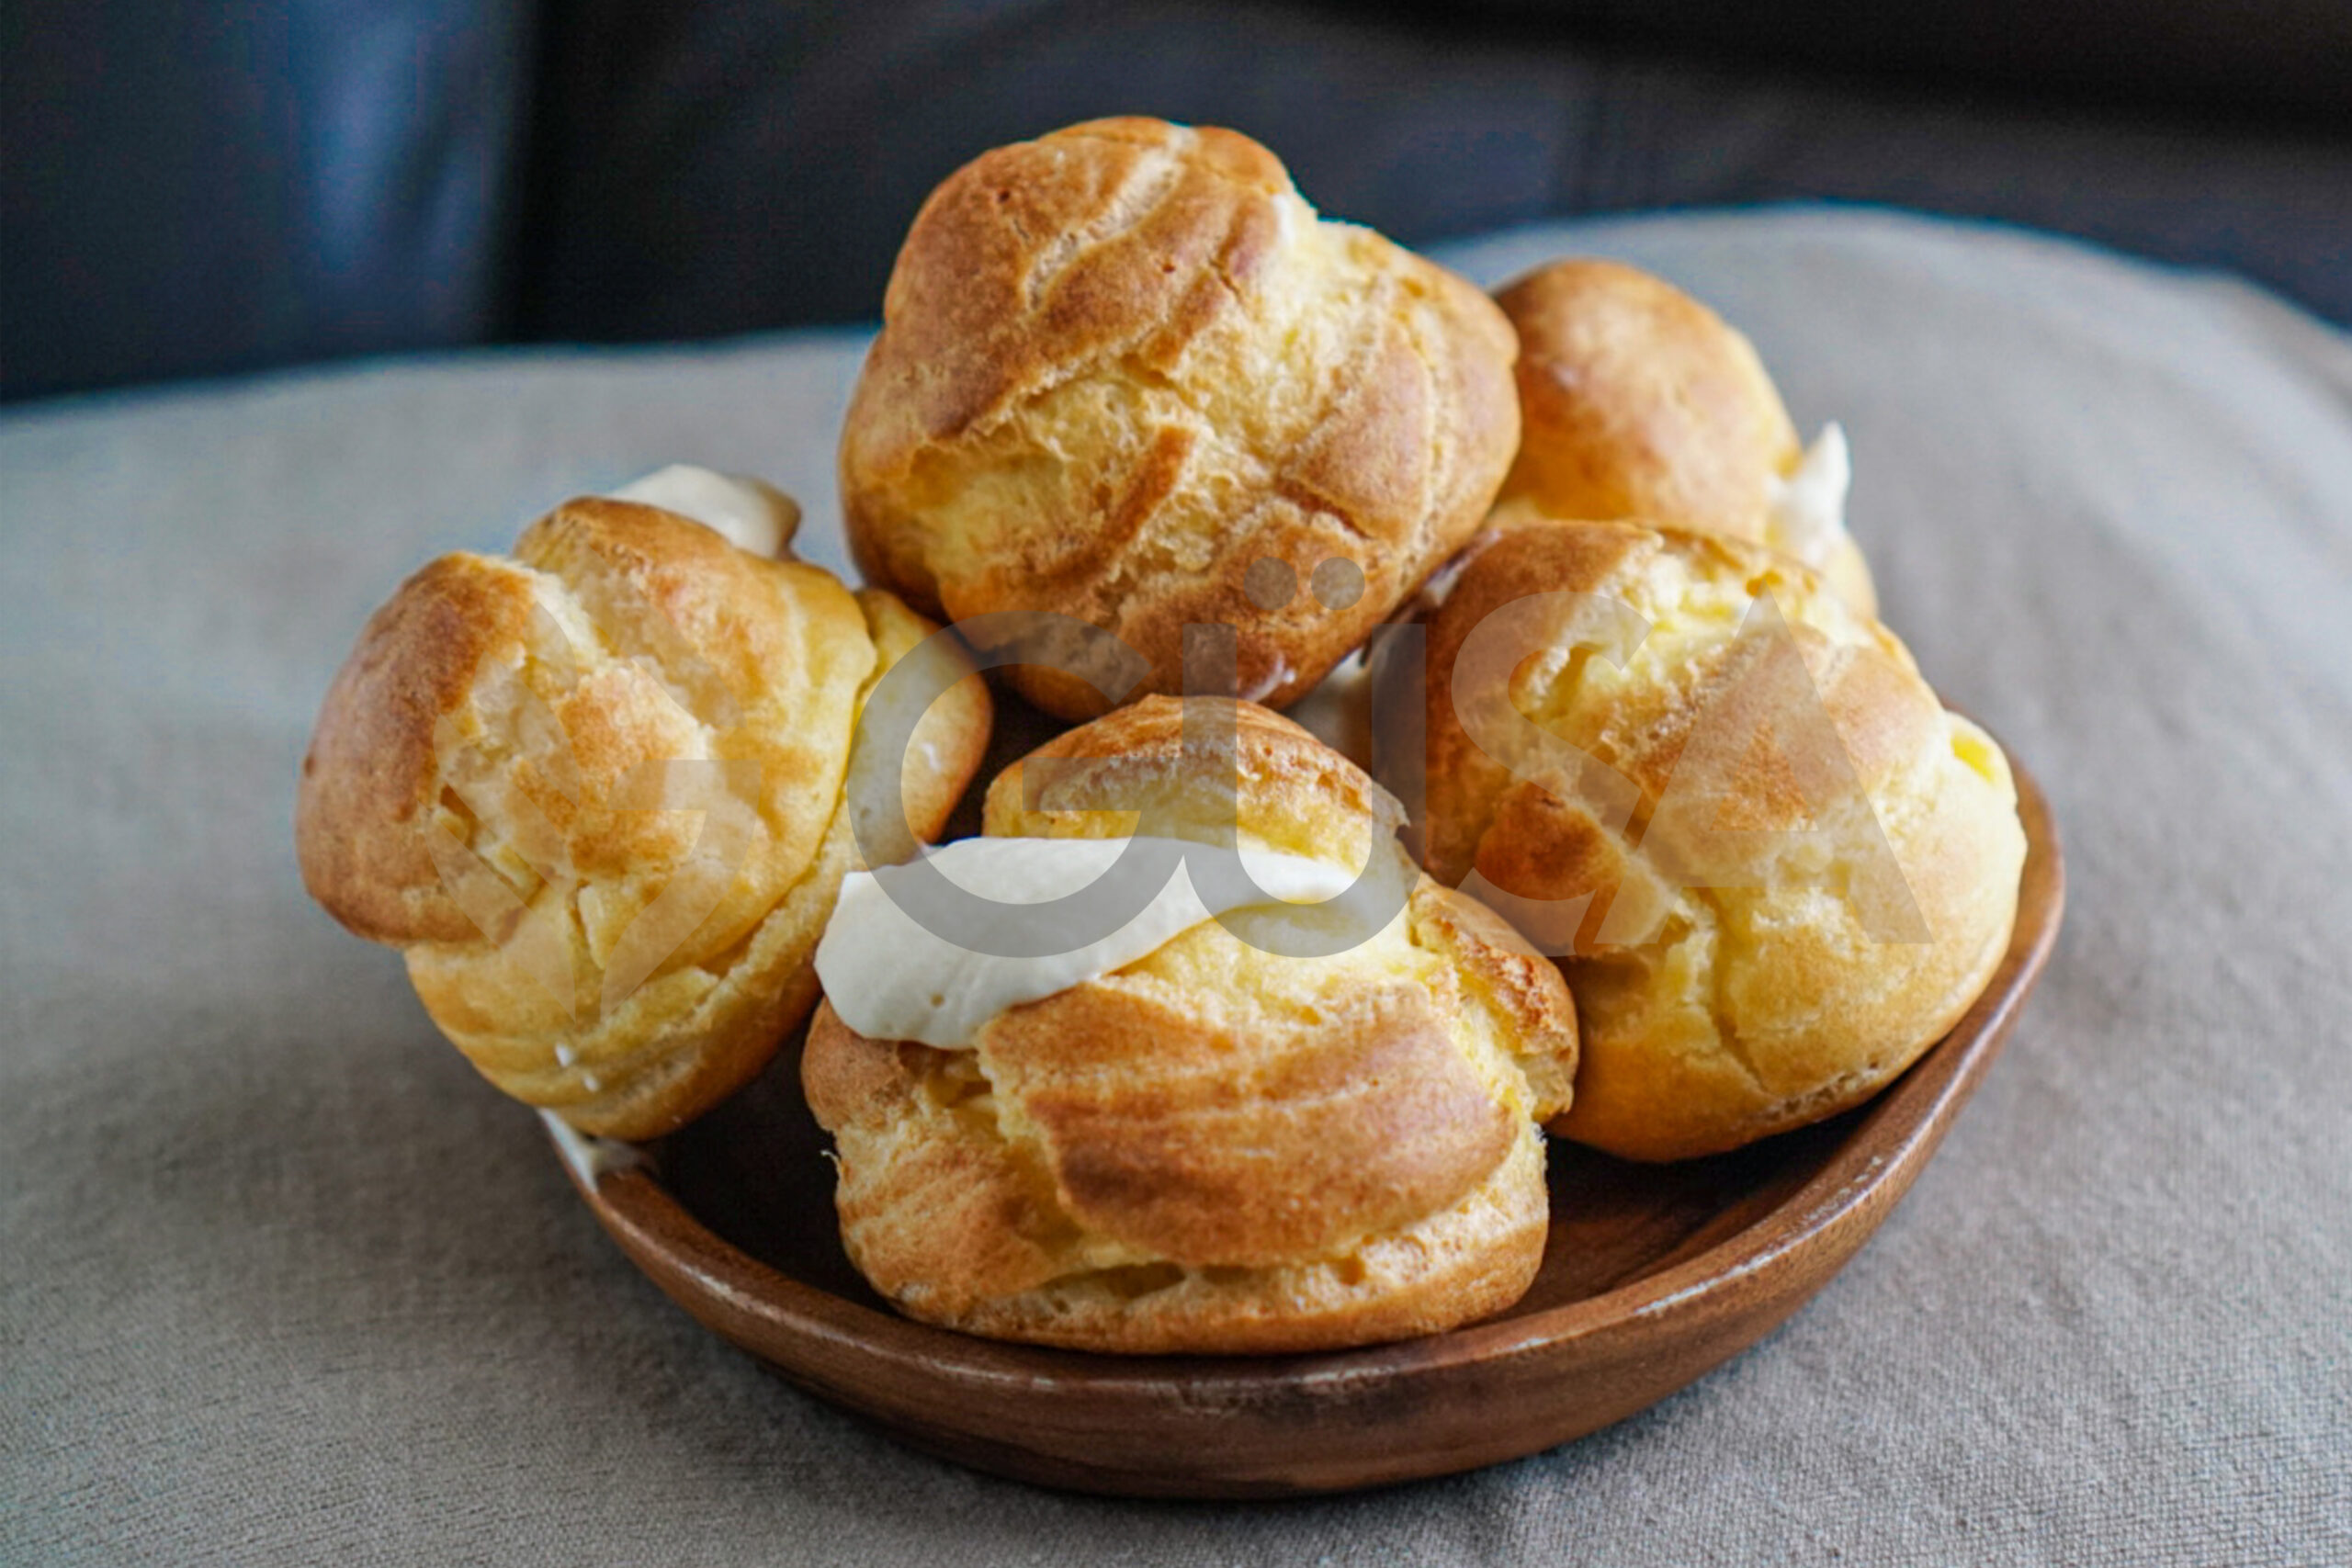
(1699,857)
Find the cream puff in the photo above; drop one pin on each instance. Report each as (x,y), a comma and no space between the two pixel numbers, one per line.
(1127,375)
(1637,402)
(1776,867)
(1242,1126)
(594,793)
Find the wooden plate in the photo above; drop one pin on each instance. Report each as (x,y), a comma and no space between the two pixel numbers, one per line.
(1653,1275)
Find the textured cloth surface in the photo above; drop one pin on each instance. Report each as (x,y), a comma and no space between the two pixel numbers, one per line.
(284,1282)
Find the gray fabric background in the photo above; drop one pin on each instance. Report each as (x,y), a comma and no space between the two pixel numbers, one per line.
(283,1282)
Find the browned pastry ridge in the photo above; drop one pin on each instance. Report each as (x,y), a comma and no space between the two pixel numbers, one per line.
(1123,363)
(1215,1148)
(1636,401)
(1792,984)
(612,763)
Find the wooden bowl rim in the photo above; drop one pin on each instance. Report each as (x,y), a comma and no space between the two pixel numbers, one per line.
(693,1263)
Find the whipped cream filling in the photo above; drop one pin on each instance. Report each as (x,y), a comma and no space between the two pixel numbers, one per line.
(1808,508)
(891,977)
(751,514)
(591,1158)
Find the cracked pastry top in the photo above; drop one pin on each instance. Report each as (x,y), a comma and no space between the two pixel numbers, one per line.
(1637,402)
(1125,363)
(1777,868)
(592,791)
(1215,1147)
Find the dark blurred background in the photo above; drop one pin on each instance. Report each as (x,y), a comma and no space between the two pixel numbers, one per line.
(191,188)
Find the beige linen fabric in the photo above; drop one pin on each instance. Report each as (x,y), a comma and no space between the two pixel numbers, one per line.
(284,1282)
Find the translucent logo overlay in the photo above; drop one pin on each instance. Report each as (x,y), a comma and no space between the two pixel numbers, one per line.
(520,885)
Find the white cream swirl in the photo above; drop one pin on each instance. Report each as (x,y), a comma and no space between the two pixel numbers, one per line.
(891,977)
(1808,508)
(751,514)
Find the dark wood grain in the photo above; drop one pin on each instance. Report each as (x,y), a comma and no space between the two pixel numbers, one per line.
(1654,1275)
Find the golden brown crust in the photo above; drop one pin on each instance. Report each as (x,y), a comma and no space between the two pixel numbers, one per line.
(1132,771)
(369,777)
(1519,990)
(1464,784)
(962,1227)
(1375,1113)
(1787,987)
(593,793)
(1122,363)
(1638,402)
(1216,1148)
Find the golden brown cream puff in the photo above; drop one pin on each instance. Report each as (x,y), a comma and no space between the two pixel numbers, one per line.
(594,792)
(1777,867)
(1637,402)
(1126,374)
(1206,1145)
